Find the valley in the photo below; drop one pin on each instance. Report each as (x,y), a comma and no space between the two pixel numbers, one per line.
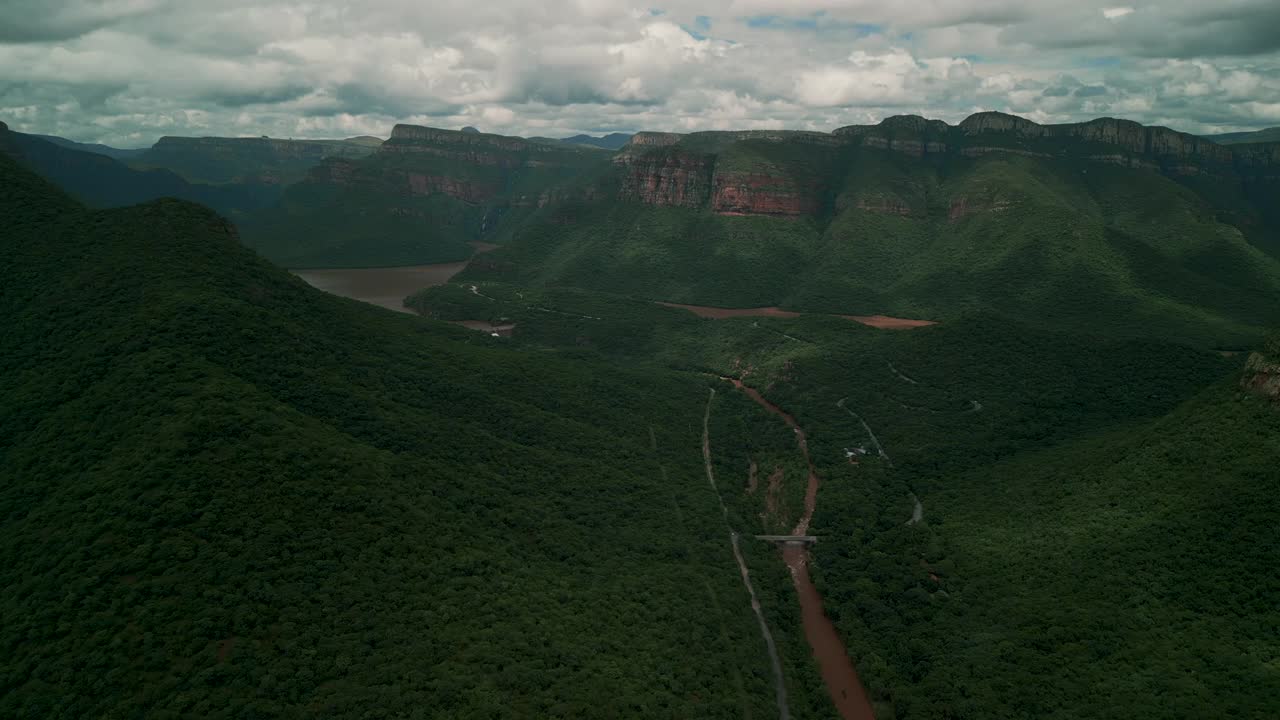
(277,500)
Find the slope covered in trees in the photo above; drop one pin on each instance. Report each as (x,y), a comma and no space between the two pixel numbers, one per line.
(221,160)
(421,198)
(1115,576)
(1040,231)
(101,181)
(224,494)
(1093,513)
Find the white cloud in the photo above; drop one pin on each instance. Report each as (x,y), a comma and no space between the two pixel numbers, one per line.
(128,70)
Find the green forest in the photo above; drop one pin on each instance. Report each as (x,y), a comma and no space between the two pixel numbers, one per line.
(1075,491)
(227,494)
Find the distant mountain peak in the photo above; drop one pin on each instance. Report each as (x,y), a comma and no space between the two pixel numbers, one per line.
(470,129)
(612,141)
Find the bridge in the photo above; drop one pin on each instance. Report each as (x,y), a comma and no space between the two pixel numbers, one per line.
(789,539)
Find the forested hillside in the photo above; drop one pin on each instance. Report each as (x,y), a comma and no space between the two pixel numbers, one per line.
(101,181)
(273,161)
(226,494)
(1092,512)
(1111,577)
(1081,232)
(421,198)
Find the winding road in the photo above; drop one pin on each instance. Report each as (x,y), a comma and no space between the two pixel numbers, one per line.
(780,687)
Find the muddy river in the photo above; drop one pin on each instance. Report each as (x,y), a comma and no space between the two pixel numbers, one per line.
(386,286)
(884,322)
(837,669)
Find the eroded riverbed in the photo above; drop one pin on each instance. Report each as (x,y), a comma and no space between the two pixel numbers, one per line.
(883,322)
(838,673)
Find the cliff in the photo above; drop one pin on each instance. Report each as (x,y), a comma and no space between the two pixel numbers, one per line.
(665,176)
(907,134)
(421,197)
(478,168)
(1262,372)
(753,172)
(1108,140)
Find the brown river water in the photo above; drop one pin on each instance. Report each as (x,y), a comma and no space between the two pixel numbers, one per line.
(883,322)
(837,669)
(386,286)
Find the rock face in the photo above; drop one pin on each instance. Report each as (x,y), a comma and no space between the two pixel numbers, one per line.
(653,139)
(964,206)
(473,167)
(878,203)
(1131,144)
(761,194)
(1262,372)
(668,169)
(907,134)
(1258,161)
(665,177)
(1105,140)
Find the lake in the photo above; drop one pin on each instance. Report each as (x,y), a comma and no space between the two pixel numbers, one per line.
(386,287)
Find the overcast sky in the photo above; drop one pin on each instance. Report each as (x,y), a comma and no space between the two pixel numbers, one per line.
(125,72)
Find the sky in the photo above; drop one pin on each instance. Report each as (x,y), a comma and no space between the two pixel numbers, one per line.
(125,72)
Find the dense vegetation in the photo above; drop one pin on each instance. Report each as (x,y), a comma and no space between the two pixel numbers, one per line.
(101,181)
(226,494)
(1074,245)
(111,152)
(417,200)
(1115,576)
(1079,516)
(249,159)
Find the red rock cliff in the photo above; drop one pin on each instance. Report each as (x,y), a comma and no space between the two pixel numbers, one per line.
(762,193)
(667,177)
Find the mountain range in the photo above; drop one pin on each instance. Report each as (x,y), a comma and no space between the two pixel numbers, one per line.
(1145,229)
(1256,136)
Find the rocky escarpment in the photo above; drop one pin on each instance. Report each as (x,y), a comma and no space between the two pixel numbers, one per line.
(907,134)
(472,167)
(267,146)
(1258,161)
(876,202)
(1262,372)
(762,193)
(963,206)
(467,147)
(1105,140)
(1123,142)
(667,169)
(667,177)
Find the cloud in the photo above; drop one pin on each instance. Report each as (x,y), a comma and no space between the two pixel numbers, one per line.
(45,20)
(125,71)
